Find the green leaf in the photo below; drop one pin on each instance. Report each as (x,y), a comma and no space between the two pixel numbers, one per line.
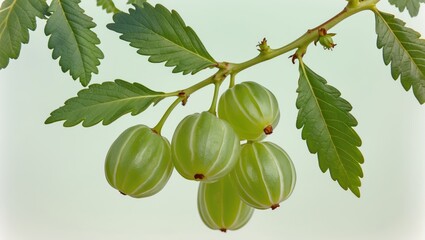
(137,2)
(72,39)
(327,127)
(411,5)
(108,6)
(105,102)
(403,48)
(16,18)
(163,36)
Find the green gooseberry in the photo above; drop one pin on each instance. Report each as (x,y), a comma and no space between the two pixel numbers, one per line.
(139,162)
(251,109)
(220,206)
(264,176)
(204,147)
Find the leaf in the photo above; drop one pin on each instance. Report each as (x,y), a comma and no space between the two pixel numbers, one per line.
(327,127)
(137,2)
(163,36)
(16,18)
(105,102)
(403,48)
(108,6)
(72,40)
(411,5)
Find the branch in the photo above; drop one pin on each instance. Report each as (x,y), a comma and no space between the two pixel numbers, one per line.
(306,39)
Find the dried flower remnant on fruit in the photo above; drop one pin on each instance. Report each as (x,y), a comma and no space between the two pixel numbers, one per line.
(268,130)
(274,206)
(199,176)
(325,39)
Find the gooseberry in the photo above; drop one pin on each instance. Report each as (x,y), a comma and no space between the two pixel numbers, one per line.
(220,206)
(264,175)
(204,147)
(251,109)
(139,162)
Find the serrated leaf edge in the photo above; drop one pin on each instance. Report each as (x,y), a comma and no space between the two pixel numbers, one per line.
(398,75)
(354,189)
(159,96)
(84,77)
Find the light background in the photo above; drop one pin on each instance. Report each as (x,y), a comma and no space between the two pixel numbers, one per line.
(52,184)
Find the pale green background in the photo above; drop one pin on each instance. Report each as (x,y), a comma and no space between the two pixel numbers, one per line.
(52,184)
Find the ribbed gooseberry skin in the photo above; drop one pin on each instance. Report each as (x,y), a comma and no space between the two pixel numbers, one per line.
(220,206)
(264,175)
(251,109)
(204,147)
(138,162)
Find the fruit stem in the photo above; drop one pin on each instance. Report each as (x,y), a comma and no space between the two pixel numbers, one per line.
(213,107)
(167,113)
(232,80)
(183,95)
(307,38)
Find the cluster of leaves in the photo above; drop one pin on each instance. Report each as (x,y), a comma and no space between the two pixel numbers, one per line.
(324,116)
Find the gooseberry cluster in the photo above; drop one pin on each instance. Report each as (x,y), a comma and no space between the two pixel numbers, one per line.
(237,171)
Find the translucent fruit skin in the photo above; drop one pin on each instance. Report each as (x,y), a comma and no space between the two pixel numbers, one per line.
(220,206)
(139,162)
(204,147)
(264,175)
(249,108)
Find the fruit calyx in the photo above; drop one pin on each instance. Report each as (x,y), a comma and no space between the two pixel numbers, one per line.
(268,130)
(199,176)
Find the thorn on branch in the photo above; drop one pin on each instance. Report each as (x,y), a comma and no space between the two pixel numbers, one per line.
(295,56)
